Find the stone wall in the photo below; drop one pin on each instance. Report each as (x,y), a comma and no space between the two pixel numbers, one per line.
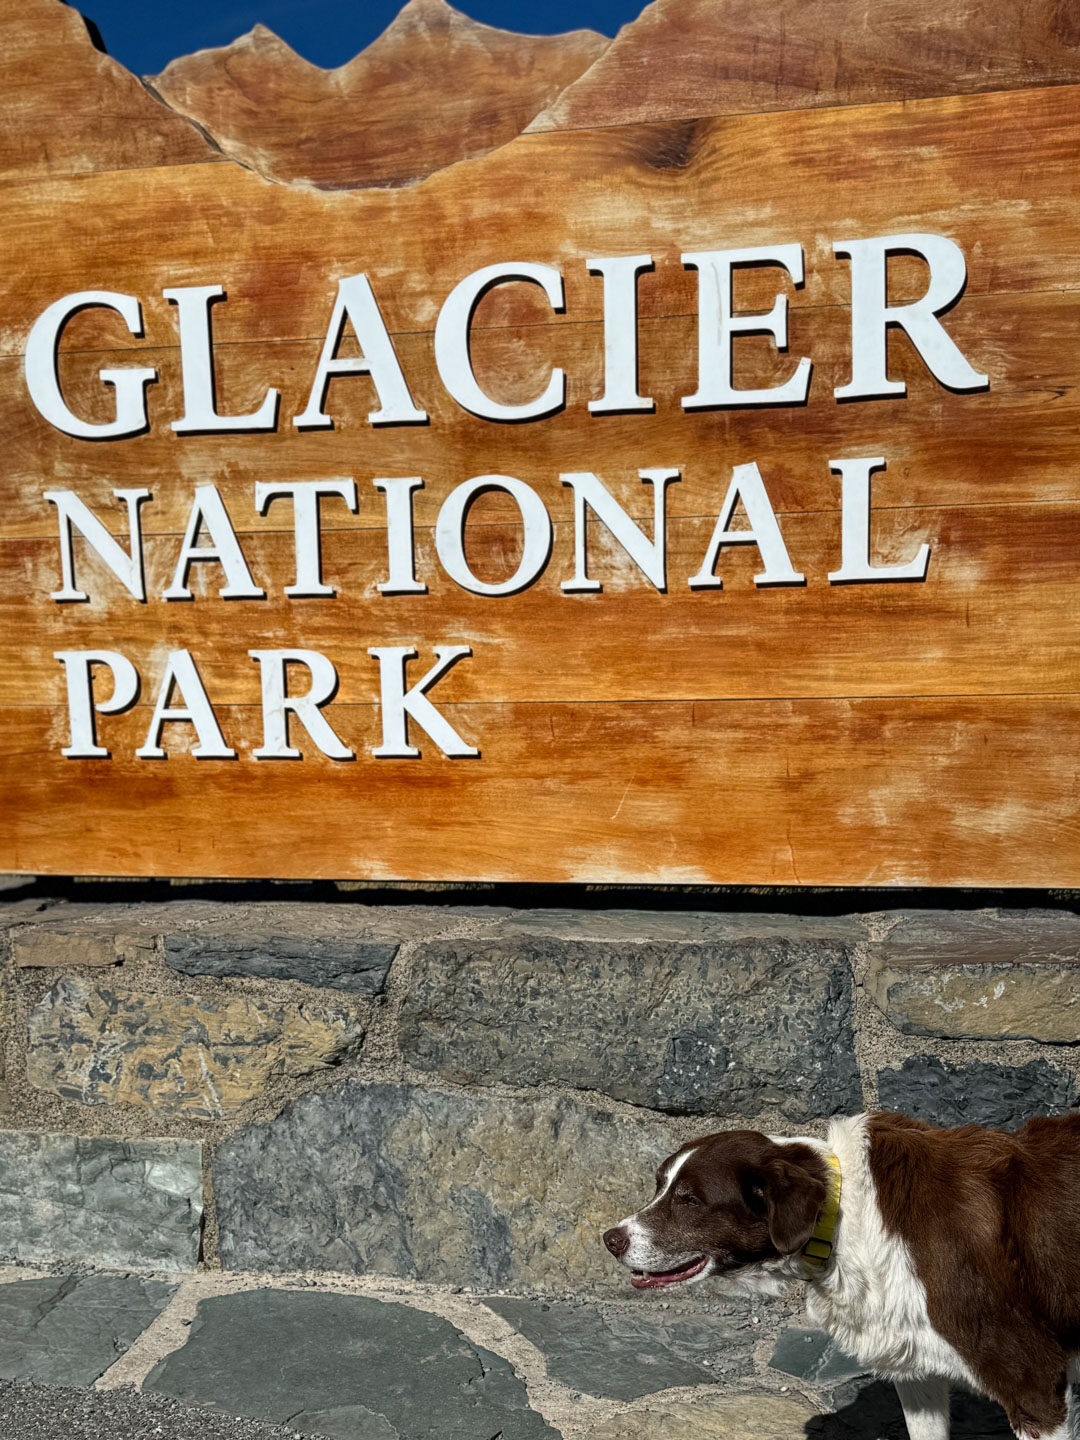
(469,1095)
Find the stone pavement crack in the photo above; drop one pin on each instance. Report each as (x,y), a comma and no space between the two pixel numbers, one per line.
(49,1412)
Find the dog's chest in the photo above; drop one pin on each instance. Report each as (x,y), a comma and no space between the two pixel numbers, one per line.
(873,1304)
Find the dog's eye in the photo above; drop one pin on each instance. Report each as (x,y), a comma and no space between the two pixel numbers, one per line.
(684,1197)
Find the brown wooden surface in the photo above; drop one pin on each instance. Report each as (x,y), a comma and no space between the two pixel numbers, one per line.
(685,58)
(67,108)
(916,792)
(905,734)
(997,612)
(435,88)
(996,172)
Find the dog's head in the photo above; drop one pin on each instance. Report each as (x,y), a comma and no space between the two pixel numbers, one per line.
(721,1204)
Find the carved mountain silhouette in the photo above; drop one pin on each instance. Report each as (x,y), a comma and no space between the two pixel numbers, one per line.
(434,88)
(66,107)
(685,58)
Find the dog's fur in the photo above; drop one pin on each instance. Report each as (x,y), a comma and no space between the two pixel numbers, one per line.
(956,1255)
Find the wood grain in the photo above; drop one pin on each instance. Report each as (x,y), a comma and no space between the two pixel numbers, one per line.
(868,792)
(68,108)
(994,172)
(895,735)
(1014,443)
(743,56)
(997,612)
(433,89)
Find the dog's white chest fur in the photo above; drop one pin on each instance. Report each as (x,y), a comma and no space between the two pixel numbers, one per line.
(870,1299)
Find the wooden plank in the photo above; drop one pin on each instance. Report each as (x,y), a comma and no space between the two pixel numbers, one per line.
(994,172)
(1014,443)
(68,108)
(997,613)
(868,792)
(436,87)
(743,56)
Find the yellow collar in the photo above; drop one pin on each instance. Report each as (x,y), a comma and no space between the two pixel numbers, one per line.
(818,1249)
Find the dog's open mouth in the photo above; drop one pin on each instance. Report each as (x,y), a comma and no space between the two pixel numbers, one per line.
(655,1279)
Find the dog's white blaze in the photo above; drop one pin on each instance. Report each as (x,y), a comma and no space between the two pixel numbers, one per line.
(642,1254)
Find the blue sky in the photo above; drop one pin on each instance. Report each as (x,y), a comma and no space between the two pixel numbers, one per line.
(329,32)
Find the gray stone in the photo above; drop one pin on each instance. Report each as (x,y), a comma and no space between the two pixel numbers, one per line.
(100,1201)
(624,1355)
(1011,1001)
(705,1029)
(176,1055)
(729,1417)
(980,1093)
(986,937)
(68,1331)
(455,1189)
(358,966)
(47,1412)
(680,926)
(346,1366)
(811,1355)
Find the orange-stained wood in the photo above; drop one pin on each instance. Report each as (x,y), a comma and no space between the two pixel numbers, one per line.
(996,614)
(436,87)
(1014,443)
(996,173)
(904,734)
(66,108)
(742,56)
(867,792)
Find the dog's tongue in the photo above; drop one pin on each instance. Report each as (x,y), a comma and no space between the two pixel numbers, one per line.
(656,1280)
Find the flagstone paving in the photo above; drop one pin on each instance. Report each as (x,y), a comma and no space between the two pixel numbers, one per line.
(233,1357)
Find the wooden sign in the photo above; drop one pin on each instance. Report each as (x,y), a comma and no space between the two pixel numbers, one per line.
(646,497)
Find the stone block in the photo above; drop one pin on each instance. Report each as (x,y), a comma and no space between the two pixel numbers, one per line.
(68,1331)
(64,945)
(111,1203)
(811,1355)
(985,974)
(985,937)
(357,966)
(627,1354)
(980,1093)
(1011,1001)
(347,1367)
(454,1189)
(735,1417)
(176,1056)
(705,1029)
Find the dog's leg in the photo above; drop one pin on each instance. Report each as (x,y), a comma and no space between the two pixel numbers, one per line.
(926,1408)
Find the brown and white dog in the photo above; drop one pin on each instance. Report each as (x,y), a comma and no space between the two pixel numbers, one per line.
(932,1256)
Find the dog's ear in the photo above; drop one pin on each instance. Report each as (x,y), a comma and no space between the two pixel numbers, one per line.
(793,1201)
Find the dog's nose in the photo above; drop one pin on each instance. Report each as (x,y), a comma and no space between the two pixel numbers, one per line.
(617,1241)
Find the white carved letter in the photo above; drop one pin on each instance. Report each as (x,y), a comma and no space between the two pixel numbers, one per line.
(855,563)
(197,368)
(450,534)
(208,509)
(356,303)
(452,342)
(871,315)
(277,703)
(620,274)
(400,538)
(717,324)
(764,532)
(399,704)
(180,672)
(650,556)
(305,497)
(127,566)
(43,380)
(77,670)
